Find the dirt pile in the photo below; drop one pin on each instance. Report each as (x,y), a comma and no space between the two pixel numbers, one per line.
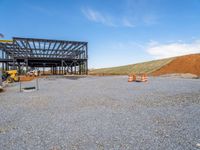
(182,64)
(26,78)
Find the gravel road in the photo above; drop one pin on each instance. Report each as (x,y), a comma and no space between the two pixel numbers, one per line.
(101,113)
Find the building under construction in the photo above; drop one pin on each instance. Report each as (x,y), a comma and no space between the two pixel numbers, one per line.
(59,56)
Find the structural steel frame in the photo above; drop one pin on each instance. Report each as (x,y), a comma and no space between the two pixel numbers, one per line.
(63,57)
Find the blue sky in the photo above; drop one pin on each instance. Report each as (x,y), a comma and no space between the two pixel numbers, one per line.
(119,32)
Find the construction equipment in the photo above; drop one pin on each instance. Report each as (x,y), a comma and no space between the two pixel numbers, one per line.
(131,77)
(33,73)
(10,76)
(142,77)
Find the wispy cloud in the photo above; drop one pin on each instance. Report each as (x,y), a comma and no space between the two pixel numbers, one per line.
(98,17)
(127,23)
(42,9)
(143,12)
(107,19)
(133,18)
(172,49)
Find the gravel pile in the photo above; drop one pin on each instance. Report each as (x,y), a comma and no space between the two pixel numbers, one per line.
(101,113)
(182,75)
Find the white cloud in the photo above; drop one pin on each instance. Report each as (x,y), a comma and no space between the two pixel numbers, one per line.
(172,49)
(98,17)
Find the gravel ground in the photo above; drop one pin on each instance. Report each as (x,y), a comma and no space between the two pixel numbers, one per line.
(101,113)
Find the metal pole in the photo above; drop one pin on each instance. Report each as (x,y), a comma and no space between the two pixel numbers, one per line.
(43,69)
(19,68)
(3,63)
(20,86)
(75,68)
(26,65)
(62,66)
(87,59)
(37,85)
(13,66)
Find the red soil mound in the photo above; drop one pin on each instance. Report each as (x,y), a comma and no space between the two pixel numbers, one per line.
(182,64)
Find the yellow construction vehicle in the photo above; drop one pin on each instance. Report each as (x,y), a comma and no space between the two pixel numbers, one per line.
(11,76)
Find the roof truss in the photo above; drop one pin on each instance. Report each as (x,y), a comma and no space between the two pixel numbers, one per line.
(45,48)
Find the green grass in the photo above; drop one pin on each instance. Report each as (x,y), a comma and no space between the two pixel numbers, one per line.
(146,67)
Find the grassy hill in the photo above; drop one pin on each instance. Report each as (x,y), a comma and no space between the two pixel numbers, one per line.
(146,67)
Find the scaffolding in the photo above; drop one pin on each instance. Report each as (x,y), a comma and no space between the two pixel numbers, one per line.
(62,57)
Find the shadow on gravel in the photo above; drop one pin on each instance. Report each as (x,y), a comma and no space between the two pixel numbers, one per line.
(1,90)
(74,77)
(70,77)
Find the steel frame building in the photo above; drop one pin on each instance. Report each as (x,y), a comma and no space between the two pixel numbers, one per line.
(62,57)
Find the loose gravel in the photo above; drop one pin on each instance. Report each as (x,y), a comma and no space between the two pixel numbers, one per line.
(101,113)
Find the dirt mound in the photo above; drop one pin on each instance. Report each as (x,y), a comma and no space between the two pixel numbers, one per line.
(26,78)
(182,64)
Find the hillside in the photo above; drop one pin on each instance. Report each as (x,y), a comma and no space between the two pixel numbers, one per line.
(182,64)
(147,67)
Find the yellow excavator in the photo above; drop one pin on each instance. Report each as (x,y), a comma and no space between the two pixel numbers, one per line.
(11,76)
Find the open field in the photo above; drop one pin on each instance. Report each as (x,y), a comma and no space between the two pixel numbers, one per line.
(182,64)
(146,67)
(101,113)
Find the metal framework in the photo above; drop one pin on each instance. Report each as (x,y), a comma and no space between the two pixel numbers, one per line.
(63,57)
